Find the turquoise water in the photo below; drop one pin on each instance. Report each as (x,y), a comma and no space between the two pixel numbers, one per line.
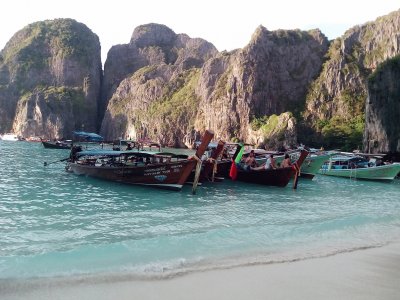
(54,223)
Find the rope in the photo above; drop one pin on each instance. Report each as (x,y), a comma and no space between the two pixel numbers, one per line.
(196,174)
(214,171)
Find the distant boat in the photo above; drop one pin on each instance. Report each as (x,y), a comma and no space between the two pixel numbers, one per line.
(33,139)
(357,167)
(9,137)
(57,144)
(312,164)
(79,137)
(139,145)
(156,169)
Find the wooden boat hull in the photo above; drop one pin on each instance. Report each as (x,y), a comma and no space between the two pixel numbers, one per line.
(384,172)
(165,176)
(50,145)
(273,177)
(119,166)
(208,166)
(311,165)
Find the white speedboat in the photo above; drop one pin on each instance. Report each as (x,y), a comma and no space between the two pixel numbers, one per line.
(9,137)
(358,167)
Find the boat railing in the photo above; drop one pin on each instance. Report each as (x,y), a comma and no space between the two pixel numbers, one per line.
(127,158)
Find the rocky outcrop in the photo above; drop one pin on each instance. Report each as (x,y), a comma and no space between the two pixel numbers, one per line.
(382,129)
(275,132)
(175,95)
(269,76)
(150,85)
(50,79)
(336,99)
(169,87)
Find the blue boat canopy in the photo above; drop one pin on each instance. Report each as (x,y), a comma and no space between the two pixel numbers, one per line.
(89,136)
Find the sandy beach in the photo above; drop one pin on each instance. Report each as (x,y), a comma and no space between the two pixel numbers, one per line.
(363,274)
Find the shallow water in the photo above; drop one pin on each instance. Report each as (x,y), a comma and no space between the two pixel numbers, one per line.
(54,223)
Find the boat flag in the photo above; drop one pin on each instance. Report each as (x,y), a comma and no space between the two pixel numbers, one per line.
(233,170)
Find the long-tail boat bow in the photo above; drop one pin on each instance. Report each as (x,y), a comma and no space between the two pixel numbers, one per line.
(297,165)
(208,136)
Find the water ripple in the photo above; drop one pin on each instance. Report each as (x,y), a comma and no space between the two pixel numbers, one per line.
(50,219)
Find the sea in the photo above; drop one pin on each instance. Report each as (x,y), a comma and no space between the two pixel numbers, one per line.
(55,224)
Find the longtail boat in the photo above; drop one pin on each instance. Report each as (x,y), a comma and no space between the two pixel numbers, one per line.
(357,167)
(274,177)
(79,136)
(57,145)
(310,167)
(160,169)
(209,163)
(312,164)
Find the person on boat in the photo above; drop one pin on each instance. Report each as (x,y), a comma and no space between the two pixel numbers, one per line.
(129,147)
(225,154)
(269,164)
(147,160)
(251,160)
(286,162)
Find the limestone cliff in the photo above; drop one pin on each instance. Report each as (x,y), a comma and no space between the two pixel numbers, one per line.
(336,100)
(149,85)
(240,90)
(50,75)
(382,128)
(169,87)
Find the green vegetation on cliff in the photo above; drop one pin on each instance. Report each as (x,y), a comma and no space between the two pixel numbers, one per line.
(343,134)
(34,45)
(54,95)
(337,98)
(339,119)
(272,128)
(179,104)
(384,107)
(393,63)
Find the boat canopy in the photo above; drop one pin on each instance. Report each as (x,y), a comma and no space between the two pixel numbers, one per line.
(348,158)
(129,153)
(89,136)
(214,144)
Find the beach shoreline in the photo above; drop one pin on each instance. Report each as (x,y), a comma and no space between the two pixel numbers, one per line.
(372,273)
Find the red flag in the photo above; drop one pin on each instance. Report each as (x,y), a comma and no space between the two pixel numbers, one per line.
(233,171)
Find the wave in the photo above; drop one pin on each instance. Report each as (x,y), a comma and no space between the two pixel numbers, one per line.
(167,271)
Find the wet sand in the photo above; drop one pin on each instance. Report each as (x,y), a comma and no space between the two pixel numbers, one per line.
(363,274)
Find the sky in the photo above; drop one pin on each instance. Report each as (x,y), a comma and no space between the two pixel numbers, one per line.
(228,24)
